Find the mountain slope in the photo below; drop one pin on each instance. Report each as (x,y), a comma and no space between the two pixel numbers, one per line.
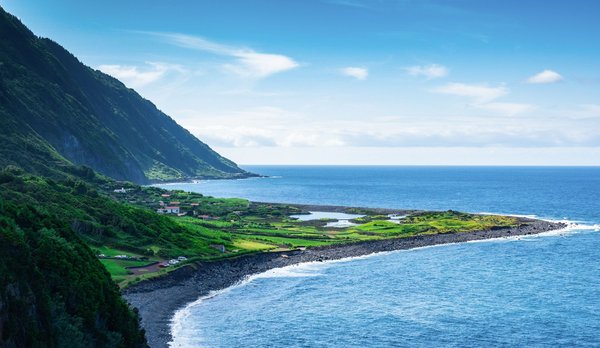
(53,290)
(55,110)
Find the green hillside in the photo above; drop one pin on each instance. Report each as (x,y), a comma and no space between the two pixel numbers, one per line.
(124,223)
(53,290)
(55,110)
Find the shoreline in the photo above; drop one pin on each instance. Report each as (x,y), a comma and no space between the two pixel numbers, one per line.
(158,299)
(191,180)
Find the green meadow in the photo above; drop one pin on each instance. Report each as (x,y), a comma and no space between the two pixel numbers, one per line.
(115,224)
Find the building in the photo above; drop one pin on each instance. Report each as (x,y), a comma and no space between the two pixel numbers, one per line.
(168,210)
(219,247)
(121,190)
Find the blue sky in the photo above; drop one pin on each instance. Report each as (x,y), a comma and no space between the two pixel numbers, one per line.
(353,81)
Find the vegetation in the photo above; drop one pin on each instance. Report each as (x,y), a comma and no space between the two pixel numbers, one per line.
(124,223)
(53,289)
(55,111)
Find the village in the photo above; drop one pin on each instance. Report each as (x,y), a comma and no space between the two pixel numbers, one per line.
(124,265)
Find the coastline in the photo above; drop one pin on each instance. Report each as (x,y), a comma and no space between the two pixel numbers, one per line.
(233,176)
(158,299)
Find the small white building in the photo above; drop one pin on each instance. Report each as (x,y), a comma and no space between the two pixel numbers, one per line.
(168,210)
(121,190)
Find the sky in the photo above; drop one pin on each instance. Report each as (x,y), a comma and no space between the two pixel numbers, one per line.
(395,82)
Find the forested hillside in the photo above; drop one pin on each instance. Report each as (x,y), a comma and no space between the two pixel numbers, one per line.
(53,290)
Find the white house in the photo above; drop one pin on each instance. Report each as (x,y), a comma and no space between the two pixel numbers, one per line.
(168,210)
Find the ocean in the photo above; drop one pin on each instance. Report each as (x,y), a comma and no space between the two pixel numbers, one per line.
(535,291)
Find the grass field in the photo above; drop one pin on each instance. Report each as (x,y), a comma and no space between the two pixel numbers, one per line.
(238,227)
(116,223)
(117,268)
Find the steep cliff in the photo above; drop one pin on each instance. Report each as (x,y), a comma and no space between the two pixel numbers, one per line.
(54,110)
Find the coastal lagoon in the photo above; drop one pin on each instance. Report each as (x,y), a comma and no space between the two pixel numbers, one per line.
(340,220)
(527,291)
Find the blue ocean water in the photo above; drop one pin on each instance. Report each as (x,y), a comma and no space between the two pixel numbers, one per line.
(535,291)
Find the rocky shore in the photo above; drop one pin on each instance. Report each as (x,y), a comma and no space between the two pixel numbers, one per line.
(157,299)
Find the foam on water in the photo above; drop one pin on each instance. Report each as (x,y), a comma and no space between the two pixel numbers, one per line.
(312,269)
(308,269)
(183,338)
(528,216)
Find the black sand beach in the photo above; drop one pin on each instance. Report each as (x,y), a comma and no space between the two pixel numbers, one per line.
(158,299)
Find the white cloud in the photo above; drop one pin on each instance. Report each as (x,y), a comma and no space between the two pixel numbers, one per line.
(509,109)
(240,136)
(432,71)
(418,155)
(310,138)
(248,62)
(356,72)
(252,64)
(264,126)
(412,136)
(591,110)
(135,77)
(273,127)
(482,97)
(479,93)
(545,77)
(580,112)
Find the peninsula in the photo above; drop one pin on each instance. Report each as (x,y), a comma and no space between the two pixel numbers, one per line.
(246,238)
(158,299)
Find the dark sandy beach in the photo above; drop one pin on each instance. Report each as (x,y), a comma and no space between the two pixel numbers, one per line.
(157,299)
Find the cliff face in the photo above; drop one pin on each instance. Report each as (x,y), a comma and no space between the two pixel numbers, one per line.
(55,110)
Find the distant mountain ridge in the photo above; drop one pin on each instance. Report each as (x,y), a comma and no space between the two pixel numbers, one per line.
(54,111)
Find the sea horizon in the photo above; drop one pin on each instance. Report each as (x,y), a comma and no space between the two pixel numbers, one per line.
(418,165)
